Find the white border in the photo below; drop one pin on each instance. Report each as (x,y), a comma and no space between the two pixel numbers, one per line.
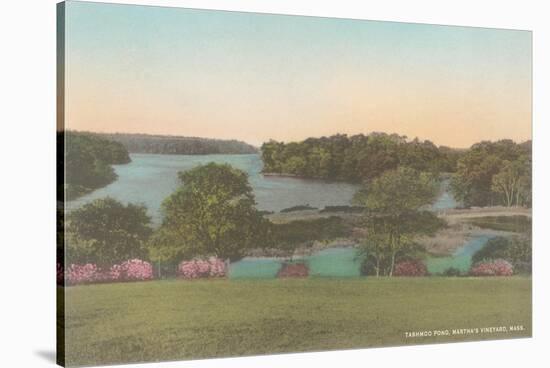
(27,118)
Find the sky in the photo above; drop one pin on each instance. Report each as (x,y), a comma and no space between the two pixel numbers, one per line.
(255,77)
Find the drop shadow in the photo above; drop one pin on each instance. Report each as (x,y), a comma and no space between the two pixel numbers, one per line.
(48,355)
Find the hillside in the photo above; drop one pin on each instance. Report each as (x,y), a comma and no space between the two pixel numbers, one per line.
(178,145)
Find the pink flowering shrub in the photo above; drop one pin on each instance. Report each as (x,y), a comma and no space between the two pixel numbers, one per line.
(83,274)
(413,268)
(200,268)
(498,267)
(131,270)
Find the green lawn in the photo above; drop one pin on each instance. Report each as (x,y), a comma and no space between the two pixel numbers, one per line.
(171,320)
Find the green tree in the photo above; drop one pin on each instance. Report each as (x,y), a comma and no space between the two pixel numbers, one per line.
(319,163)
(166,250)
(472,182)
(375,250)
(393,214)
(513,181)
(213,213)
(357,158)
(493,173)
(515,249)
(106,231)
(506,182)
(287,237)
(271,152)
(87,161)
(398,191)
(391,239)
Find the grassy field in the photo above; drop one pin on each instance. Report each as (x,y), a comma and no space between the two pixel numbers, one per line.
(172,320)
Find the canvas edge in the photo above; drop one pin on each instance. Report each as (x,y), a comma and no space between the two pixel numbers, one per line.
(60,179)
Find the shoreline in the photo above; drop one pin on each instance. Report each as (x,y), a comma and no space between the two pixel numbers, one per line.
(444,243)
(303,177)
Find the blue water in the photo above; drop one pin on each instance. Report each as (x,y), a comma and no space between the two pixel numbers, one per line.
(330,262)
(461,258)
(335,262)
(445,200)
(150,178)
(344,262)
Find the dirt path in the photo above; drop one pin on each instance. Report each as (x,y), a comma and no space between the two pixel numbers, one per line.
(484,211)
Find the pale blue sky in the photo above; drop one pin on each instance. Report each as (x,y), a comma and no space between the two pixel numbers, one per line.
(257,76)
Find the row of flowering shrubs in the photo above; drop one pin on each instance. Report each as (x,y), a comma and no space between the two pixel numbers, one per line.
(131,270)
(497,267)
(201,268)
(136,270)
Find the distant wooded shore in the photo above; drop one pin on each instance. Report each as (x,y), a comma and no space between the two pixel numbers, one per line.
(176,145)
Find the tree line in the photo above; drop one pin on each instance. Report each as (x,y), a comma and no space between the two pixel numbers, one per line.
(355,158)
(486,174)
(494,173)
(85,161)
(177,145)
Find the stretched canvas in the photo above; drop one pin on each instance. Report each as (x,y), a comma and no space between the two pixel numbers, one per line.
(235,184)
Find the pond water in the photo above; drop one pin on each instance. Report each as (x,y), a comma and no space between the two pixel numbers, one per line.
(346,262)
(150,178)
(445,200)
(330,262)
(461,258)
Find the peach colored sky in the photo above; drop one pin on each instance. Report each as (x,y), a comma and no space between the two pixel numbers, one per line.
(257,77)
